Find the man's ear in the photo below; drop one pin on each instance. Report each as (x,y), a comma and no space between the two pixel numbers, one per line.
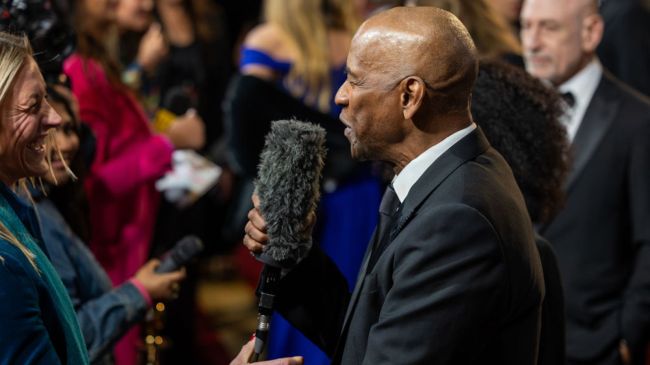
(413,90)
(592,32)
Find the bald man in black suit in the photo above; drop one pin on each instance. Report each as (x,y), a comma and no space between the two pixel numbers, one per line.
(602,236)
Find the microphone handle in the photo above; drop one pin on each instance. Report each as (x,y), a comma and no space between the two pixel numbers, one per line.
(168,264)
(268,289)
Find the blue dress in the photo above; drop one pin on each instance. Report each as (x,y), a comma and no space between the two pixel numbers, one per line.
(346,219)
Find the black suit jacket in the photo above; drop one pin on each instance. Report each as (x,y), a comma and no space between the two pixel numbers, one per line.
(552,341)
(459,283)
(602,236)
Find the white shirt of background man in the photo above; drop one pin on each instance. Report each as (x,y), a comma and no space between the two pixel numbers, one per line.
(582,86)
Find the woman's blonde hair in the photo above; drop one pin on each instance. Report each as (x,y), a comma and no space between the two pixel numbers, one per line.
(491,34)
(306,23)
(14,53)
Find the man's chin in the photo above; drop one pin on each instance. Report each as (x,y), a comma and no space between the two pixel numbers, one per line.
(358,155)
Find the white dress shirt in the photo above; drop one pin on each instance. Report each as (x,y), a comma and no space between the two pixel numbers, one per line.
(582,86)
(412,172)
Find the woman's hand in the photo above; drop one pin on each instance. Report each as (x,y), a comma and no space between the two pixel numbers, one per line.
(255,230)
(153,49)
(247,351)
(255,237)
(160,286)
(187,131)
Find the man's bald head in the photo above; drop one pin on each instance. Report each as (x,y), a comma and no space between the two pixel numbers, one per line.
(410,76)
(420,41)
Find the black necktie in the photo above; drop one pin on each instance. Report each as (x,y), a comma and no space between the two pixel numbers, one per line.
(569,99)
(388,209)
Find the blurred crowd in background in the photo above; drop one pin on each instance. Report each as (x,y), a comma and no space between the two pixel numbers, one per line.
(136,81)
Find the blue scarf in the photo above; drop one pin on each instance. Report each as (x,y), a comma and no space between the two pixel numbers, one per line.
(15,215)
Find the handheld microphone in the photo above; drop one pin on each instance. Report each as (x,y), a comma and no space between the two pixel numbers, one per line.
(182,252)
(288,187)
(178,100)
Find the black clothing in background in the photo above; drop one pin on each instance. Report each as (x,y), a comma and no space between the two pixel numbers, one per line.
(625,48)
(602,236)
(252,104)
(552,339)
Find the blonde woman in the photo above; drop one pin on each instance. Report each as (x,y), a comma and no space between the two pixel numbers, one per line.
(291,66)
(488,28)
(302,45)
(38,323)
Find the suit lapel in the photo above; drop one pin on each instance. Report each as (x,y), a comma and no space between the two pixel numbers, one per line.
(467,148)
(597,120)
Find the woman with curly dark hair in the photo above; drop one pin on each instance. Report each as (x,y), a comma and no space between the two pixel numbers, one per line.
(520,117)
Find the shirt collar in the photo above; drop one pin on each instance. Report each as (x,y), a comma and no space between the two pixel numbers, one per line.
(411,173)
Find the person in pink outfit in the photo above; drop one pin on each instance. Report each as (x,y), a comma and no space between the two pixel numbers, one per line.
(129,157)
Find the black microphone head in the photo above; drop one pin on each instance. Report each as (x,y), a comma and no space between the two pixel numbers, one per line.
(288,186)
(182,252)
(179,99)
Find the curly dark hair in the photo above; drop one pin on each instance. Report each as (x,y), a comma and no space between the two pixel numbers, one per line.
(520,117)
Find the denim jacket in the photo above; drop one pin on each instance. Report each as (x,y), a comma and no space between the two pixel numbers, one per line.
(104,313)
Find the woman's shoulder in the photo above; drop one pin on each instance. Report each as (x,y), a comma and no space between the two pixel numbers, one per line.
(268,38)
(13,263)
(267,52)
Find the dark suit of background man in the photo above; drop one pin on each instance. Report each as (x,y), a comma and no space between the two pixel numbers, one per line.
(625,48)
(452,275)
(602,236)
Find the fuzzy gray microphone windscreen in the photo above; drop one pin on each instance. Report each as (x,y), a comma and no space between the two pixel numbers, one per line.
(288,185)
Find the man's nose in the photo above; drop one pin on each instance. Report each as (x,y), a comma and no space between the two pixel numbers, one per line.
(341,97)
(531,39)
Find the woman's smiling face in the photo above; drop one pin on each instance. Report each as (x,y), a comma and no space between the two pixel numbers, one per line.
(26,119)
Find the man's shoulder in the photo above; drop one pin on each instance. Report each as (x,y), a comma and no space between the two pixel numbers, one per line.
(612,87)
(630,110)
(481,183)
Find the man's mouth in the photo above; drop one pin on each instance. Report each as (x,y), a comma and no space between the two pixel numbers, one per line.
(538,60)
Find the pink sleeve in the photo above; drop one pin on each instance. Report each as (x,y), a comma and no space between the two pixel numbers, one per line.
(138,285)
(144,162)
